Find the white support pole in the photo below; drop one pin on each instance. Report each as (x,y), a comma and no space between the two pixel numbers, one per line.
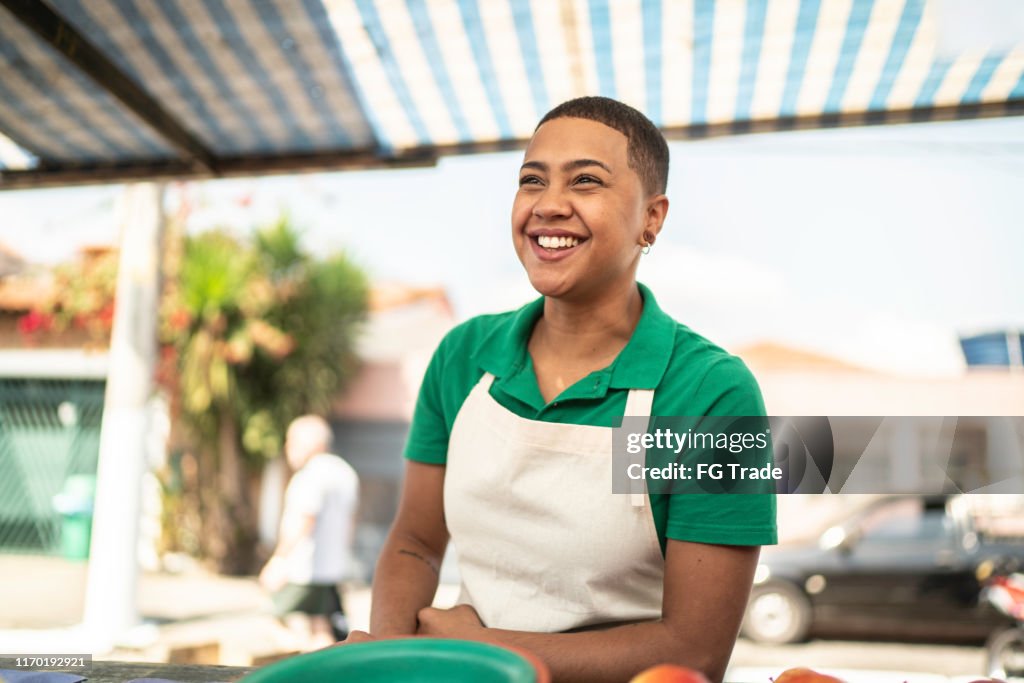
(110,609)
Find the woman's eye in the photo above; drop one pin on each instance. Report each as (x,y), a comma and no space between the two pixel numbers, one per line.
(529,180)
(588,179)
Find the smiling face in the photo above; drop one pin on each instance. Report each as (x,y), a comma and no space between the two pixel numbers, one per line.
(580,213)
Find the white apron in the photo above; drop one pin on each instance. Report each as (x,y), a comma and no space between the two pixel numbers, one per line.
(542,542)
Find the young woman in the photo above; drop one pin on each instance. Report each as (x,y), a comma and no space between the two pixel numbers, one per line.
(509,452)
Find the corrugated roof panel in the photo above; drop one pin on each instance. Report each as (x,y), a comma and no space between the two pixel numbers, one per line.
(1007,80)
(409,55)
(394,119)
(301,67)
(904,47)
(259,82)
(434,58)
(626,31)
(244,77)
(685,62)
(557,56)
(824,49)
(879,44)
(461,74)
(59,114)
(677,62)
(140,42)
(779,31)
(731,36)
(494,24)
(754,28)
(328,60)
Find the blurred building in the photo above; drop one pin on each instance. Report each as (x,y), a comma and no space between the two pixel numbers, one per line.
(11,263)
(51,403)
(372,418)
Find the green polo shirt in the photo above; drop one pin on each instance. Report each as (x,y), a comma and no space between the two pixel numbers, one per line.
(690,376)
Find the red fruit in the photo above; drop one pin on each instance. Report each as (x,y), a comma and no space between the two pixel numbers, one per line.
(669,673)
(805,675)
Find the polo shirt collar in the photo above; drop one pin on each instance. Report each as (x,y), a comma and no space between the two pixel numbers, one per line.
(503,350)
(640,365)
(643,361)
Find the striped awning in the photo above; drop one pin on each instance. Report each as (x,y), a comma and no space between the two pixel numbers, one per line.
(116,89)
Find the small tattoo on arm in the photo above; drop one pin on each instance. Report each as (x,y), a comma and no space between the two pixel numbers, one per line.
(411,553)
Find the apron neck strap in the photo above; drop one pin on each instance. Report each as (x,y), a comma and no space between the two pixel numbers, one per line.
(639,402)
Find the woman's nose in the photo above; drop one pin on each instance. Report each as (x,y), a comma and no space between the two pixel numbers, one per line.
(552,203)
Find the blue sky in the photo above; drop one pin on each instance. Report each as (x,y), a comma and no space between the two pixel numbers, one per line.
(877,245)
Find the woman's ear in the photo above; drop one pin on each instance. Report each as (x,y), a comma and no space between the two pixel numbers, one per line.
(654,218)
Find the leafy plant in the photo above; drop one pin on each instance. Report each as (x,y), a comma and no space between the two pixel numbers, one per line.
(257,332)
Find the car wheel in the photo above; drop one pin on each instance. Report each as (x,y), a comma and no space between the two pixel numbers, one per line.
(777,613)
(1004,654)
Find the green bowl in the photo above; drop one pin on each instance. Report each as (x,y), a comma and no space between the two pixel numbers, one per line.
(407,660)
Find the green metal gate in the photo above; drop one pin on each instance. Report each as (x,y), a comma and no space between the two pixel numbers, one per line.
(49,431)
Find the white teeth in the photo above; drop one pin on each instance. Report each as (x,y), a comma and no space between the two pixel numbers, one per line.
(551,242)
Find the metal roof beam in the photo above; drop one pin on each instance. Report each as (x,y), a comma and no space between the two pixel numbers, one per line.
(58,176)
(62,36)
(51,176)
(888,117)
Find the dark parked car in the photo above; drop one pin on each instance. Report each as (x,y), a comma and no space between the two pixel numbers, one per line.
(902,566)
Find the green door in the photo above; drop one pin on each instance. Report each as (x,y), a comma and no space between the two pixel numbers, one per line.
(49,432)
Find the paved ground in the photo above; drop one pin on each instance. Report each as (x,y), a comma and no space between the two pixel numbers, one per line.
(193,607)
(40,592)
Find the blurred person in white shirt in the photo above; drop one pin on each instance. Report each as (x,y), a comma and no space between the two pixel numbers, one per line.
(315,541)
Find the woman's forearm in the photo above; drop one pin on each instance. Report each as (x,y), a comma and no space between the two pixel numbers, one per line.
(613,655)
(405,581)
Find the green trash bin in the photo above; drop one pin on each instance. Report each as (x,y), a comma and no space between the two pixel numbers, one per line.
(74,504)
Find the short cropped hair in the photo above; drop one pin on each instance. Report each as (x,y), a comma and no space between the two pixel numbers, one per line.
(646,150)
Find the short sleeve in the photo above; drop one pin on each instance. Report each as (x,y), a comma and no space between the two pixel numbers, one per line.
(734,389)
(428,434)
(723,518)
(304,495)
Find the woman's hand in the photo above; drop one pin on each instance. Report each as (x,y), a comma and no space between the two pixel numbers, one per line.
(460,621)
(274,575)
(356,637)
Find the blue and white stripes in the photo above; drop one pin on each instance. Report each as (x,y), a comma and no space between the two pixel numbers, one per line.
(272,77)
(684,62)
